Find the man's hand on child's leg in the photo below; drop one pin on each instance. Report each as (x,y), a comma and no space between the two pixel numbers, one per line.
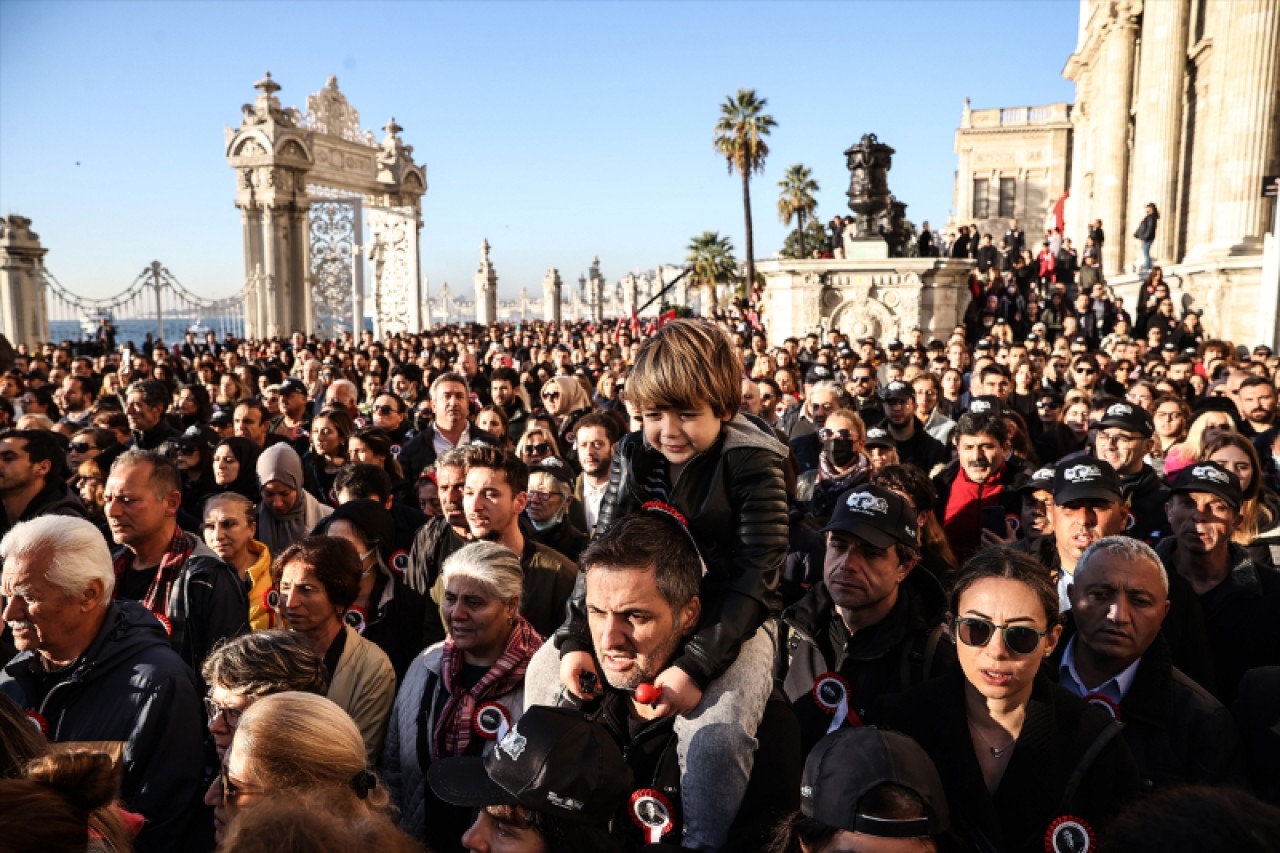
(575,665)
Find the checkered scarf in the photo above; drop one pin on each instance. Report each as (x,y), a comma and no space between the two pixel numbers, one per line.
(453,729)
(175,557)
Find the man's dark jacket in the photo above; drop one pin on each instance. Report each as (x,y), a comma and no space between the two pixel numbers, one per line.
(130,688)
(1183,629)
(773,791)
(154,437)
(54,499)
(905,648)
(207,603)
(419,453)
(1146,494)
(1178,733)
(1241,616)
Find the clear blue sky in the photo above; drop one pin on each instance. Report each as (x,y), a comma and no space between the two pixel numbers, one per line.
(558,131)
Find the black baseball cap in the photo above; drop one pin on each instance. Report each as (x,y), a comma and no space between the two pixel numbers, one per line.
(875,515)
(1086,478)
(1041,480)
(220,418)
(556,467)
(1212,478)
(879,437)
(851,762)
(291,386)
(818,373)
(553,760)
(988,405)
(1129,417)
(897,390)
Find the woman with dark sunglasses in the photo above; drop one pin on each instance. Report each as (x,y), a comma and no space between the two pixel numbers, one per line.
(1020,757)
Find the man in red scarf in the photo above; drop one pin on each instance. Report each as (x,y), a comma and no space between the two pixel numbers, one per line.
(977,485)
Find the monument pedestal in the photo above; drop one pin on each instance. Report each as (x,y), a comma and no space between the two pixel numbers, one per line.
(880,298)
(865,249)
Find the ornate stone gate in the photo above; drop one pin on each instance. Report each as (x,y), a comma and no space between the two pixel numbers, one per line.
(305,184)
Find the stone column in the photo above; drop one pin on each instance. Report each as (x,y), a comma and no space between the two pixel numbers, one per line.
(24,312)
(1111,165)
(486,281)
(551,287)
(270,262)
(1250,144)
(1157,136)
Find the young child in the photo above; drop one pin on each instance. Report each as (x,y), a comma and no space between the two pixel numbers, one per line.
(723,472)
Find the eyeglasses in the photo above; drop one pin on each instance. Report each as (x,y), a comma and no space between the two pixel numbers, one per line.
(541,495)
(843,434)
(1169,416)
(231,716)
(1084,371)
(539,449)
(1046,404)
(1019,639)
(81,447)
(551,395)
(232,791)
(386,410)
(1117,438)
(860,379)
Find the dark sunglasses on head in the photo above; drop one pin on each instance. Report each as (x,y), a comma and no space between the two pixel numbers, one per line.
(1019,639)
(81,447)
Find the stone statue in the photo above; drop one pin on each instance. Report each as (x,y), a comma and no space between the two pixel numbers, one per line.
(879,214)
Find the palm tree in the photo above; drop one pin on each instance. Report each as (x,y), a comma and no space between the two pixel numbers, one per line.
(797,201)
(739,136)
(711,257)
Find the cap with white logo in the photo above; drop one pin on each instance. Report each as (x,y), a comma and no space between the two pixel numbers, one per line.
(1212,478)
(1085,478)
(1128,417)
(875,515)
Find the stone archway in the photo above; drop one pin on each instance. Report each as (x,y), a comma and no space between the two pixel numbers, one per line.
(305,184)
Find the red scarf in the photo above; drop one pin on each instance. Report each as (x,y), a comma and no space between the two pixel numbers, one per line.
(453,730)
(175,557)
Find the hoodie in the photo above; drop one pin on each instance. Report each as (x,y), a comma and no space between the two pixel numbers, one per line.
(129,693)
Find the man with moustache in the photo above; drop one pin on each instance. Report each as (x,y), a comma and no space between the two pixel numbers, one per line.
(450,426)
(1117,659)
(979,478)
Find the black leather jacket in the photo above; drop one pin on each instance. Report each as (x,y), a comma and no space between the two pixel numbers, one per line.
(734,498)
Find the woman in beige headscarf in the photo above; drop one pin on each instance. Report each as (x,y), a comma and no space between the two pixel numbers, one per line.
(564,398)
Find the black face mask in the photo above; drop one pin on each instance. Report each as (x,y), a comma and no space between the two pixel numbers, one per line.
(839,451)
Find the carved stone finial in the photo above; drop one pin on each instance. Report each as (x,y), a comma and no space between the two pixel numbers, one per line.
(484,249)
(332,82)
(392,128)
(267,86)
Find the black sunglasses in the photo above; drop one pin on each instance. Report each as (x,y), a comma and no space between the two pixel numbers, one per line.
(1019,639)
(537,448)
(827,434)
(386,410)
(1045,404)
(81,447)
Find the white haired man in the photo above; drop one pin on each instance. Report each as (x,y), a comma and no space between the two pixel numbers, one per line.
(90,669)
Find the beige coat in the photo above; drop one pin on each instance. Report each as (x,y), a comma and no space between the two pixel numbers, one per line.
(364,685)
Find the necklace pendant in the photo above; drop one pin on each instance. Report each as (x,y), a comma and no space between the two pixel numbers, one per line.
(996,753)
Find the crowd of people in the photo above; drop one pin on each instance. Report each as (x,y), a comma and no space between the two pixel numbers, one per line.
(601,588)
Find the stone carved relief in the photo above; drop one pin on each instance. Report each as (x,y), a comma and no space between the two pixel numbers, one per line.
(329,112)
(862,316)
(332,245)
(393,232)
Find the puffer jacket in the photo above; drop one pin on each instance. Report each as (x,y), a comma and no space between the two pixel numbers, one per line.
(736,504)
(421,698)
(131,694)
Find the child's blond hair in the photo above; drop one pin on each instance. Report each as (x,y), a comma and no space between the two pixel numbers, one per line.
(685,364)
